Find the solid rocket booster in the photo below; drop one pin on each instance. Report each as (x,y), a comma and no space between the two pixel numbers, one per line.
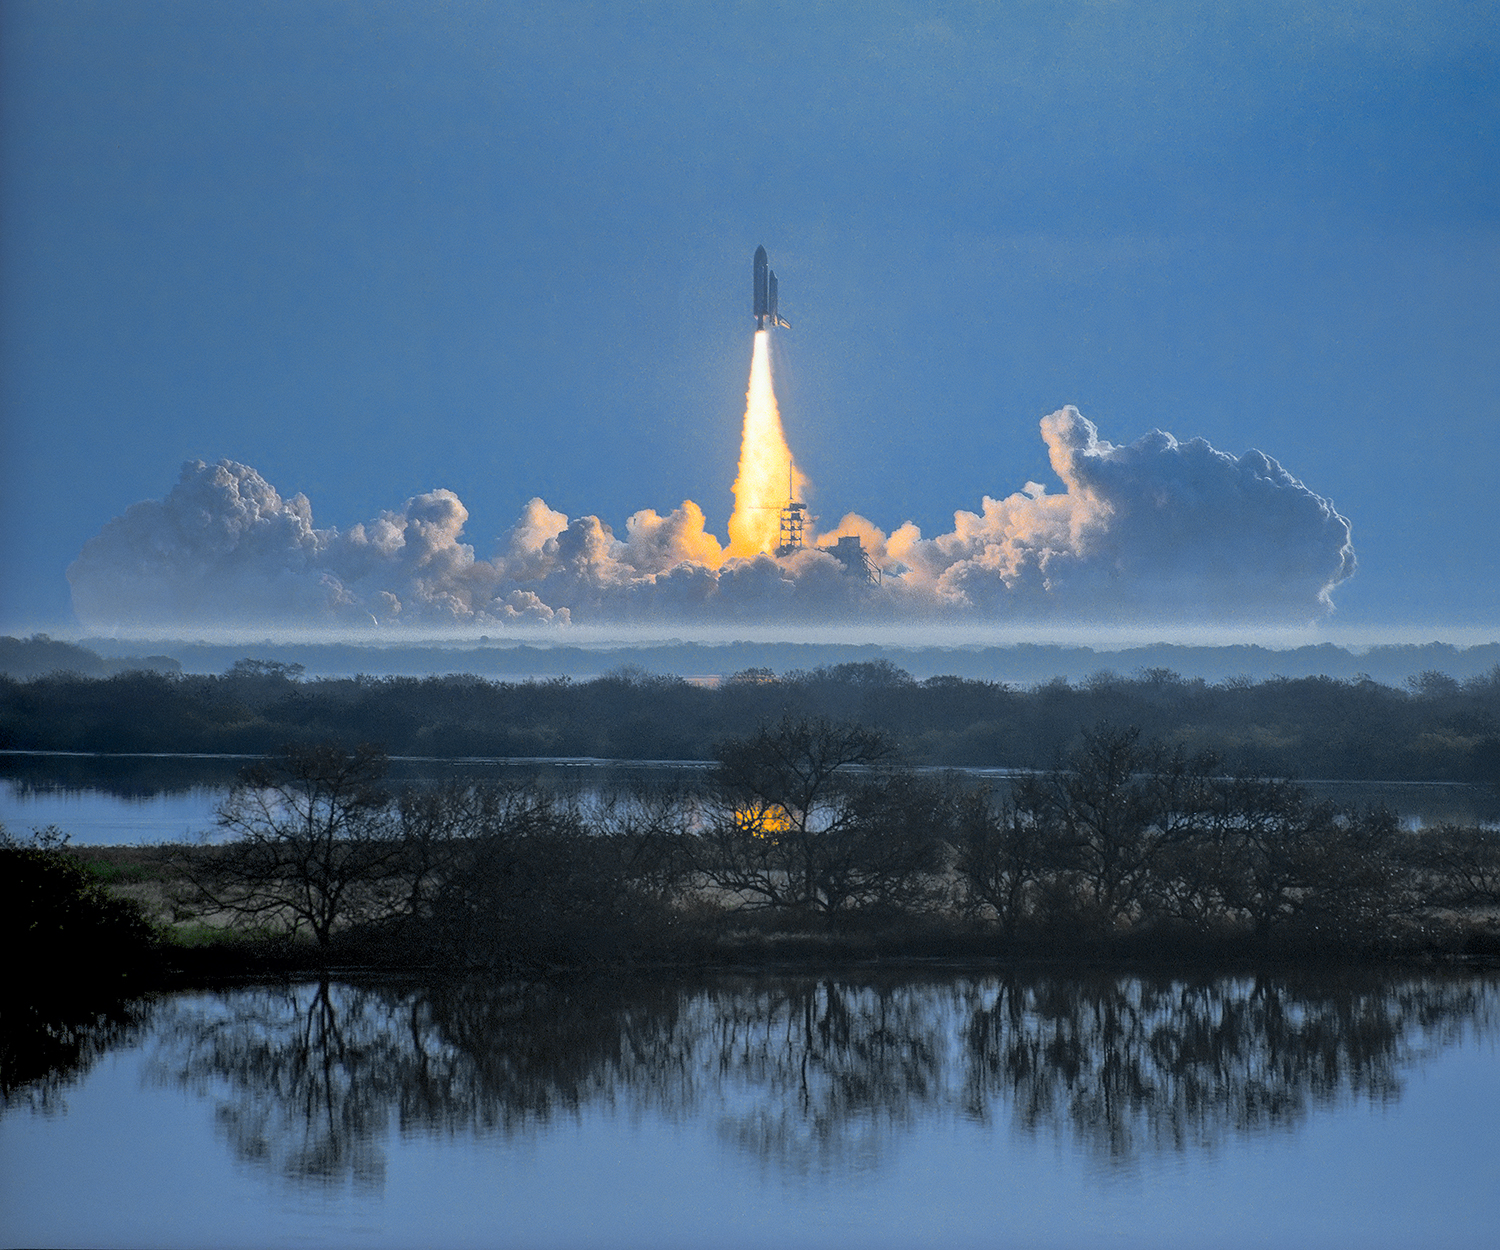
(765,293)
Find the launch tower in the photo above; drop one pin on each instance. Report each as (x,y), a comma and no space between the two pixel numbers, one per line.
(792,517)
(791,528)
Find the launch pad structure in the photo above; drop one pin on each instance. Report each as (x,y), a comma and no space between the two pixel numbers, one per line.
(792,517)
(848,551)
(851,553)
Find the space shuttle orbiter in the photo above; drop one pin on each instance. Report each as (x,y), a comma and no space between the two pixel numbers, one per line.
(765,293)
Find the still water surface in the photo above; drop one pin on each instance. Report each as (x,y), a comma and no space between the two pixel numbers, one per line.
(116,801)
(123,800)
(943,1108)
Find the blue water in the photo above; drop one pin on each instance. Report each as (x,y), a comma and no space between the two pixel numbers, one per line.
(115,804)
(97,818)
(958,1109)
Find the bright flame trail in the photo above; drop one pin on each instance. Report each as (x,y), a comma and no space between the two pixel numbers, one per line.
(766,468)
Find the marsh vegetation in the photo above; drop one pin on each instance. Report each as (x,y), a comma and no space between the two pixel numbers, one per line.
(809,840)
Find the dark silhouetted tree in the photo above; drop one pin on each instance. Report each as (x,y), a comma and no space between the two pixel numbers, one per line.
(1006,855)
(313,844)
(815,814)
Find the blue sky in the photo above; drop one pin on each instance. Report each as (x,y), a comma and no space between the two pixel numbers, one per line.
(376,249)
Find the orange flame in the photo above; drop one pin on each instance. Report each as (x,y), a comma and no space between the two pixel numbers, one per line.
(767,471)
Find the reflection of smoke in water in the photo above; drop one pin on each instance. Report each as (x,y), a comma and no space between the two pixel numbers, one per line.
(766,467)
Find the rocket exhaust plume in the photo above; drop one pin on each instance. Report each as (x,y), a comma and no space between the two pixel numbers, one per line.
(767,472)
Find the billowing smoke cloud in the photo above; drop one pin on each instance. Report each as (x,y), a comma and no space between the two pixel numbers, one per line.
(1154,530)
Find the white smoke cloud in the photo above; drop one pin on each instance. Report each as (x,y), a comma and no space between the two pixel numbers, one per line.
(1154,530)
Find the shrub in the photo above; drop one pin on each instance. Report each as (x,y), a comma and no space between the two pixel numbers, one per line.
(61,928)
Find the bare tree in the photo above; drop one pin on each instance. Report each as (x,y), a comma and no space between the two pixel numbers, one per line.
(313,843)
(1118,811)
(1460,866)
(644,831)
(790,827)
(1005,856)
(440,828)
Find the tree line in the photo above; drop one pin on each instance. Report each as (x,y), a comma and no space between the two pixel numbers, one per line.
(1433,728)
(813,831)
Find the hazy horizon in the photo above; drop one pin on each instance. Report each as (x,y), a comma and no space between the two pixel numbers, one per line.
(936,637)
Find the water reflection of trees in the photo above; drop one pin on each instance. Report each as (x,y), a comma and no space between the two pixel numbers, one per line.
(1129,1065)
(133,777)
(813,1075)
(800,1073)
(305,1077)
(50,1042)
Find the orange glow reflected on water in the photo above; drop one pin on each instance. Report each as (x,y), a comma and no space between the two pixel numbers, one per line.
(764,820)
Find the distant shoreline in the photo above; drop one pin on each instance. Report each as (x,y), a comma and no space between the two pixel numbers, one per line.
(1027,657)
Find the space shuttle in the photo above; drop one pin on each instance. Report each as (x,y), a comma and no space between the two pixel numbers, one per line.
(765,293)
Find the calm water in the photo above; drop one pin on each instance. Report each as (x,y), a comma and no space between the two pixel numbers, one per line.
(103,801)
(950,1109)
(116,801)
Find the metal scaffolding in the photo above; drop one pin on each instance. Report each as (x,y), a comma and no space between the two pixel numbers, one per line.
(791,528)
